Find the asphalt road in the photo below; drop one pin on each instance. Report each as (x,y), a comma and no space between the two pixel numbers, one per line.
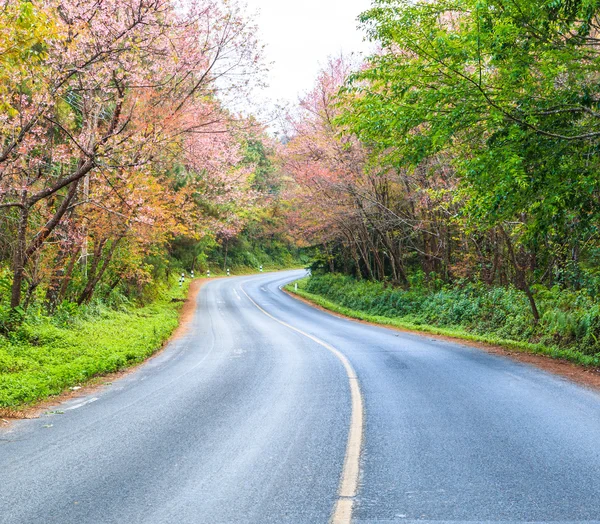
(245,419)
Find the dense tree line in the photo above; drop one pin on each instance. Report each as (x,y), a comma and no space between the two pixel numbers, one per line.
(115,141)
(465,149)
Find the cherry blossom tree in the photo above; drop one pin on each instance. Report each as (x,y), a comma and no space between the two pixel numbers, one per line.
(120,84)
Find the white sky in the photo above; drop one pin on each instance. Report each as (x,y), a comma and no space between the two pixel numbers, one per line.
(300,36)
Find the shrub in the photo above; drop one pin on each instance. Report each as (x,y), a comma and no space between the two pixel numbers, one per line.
(570,319)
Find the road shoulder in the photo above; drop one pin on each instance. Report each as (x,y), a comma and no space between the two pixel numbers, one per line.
(584,376)
(97,383)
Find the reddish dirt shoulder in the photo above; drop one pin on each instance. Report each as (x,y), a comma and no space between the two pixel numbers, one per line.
(189,307)
(589,377)
(185,321)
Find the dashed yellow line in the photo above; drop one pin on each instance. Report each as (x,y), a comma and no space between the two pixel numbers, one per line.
(342,513)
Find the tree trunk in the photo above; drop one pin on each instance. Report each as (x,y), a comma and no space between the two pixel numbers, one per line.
(45,232)
(520,277)
(364,255)
(68,275)
(98,273)
(19,255)
(58,274)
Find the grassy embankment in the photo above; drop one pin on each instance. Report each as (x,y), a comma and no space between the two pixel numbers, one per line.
(47,355)
(569,328)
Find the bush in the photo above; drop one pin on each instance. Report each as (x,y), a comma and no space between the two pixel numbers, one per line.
(46,355)
(570,319)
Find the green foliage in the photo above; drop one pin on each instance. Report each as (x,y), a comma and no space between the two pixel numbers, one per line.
(570,320)
(479,79)
(243,254)
(266,179)
(505,95)
(46,355)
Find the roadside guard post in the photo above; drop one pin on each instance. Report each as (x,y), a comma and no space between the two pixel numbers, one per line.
(181,279)
(227,271)
(296,286)
(192,273)
(261,268)
(208,273)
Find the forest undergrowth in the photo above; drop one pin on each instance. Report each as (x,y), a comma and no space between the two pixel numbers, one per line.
(47,354)
(569,327)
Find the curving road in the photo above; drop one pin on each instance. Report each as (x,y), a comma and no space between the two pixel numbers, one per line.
(255,416)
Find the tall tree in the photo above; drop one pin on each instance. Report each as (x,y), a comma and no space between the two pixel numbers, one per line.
(122,81)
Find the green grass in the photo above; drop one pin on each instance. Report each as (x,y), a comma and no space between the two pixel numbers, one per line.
(46,357)
(408,322)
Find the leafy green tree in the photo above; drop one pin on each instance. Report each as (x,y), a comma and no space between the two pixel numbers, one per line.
(507,91)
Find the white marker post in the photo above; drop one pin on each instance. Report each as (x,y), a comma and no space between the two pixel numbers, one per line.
(208,274)
(192,273)
(261,269)
(296,286)
(227,271)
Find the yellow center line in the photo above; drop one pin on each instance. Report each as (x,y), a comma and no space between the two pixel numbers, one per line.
(342,513)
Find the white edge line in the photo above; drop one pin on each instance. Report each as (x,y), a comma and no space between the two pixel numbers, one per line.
(77,406)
